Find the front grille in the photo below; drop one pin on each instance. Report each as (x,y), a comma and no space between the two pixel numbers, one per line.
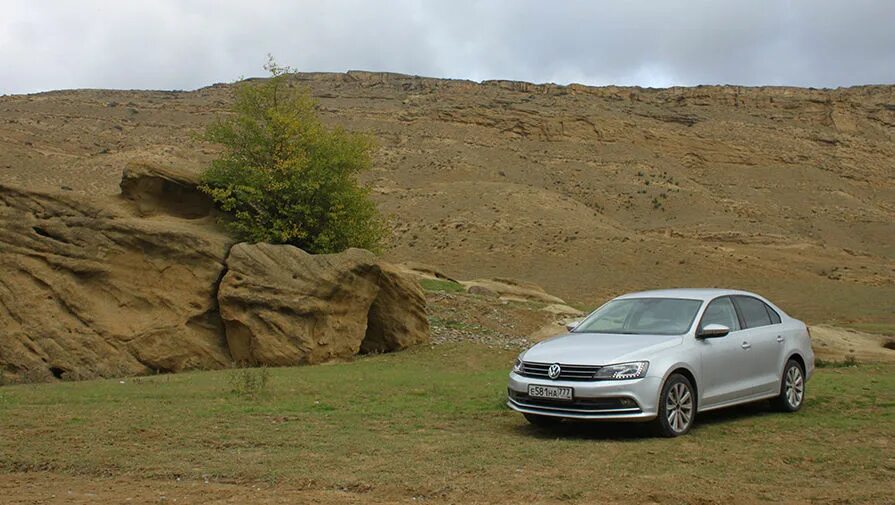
(618,405)
(567,372)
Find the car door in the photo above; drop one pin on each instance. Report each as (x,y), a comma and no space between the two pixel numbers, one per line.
(762,336)
(725,364)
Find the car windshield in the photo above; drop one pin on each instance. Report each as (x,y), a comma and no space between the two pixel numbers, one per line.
(639,316)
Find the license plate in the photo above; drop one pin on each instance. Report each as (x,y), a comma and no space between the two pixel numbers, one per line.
(550,392)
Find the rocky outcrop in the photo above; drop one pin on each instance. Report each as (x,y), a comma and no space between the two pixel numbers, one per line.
(153,189)
(511,289)
(283,306)
(397,318)
(93,286)
(86,288)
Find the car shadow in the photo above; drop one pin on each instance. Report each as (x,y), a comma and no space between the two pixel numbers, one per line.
(733,414)
(623,431)
(585,430)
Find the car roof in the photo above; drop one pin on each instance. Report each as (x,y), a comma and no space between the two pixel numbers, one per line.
(704,294)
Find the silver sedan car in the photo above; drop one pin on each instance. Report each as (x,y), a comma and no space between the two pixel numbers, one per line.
(663,356)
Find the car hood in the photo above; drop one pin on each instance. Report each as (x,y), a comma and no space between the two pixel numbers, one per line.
(599,348)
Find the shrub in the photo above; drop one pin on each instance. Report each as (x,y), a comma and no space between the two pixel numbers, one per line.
(286,178)
(248,382)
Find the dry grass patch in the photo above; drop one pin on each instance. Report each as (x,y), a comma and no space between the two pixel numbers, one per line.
(430,424)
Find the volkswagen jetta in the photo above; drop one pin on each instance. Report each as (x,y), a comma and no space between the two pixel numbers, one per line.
(664,356)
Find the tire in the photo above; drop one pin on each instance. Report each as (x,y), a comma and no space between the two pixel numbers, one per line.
(542,421)
(792,388)
(677,407)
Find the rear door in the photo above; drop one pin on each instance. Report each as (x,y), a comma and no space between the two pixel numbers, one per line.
(761,334)
(726,368)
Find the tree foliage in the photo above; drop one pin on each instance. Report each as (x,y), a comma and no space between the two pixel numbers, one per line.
(284,177)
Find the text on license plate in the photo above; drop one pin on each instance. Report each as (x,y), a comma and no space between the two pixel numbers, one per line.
(550,392)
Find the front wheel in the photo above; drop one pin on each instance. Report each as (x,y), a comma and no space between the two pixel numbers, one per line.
(792,388)
(542,421)
(677,407)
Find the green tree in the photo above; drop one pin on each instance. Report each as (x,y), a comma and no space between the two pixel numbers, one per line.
(284,177)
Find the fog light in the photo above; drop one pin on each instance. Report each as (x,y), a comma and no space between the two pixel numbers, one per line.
(627,402)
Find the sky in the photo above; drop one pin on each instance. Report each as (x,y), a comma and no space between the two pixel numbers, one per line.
(188,44)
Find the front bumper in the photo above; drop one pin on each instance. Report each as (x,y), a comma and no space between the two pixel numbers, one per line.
(597,400)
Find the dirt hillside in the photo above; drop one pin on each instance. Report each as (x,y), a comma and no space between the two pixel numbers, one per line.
(586,191)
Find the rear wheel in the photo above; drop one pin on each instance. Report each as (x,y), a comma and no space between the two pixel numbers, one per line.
(792,388)
(542,421)
(677,407)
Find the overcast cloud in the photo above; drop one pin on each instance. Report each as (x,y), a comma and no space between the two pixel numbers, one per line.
(186,44)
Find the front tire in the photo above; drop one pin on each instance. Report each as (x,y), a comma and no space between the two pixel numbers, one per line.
(542,421)
(792,388)
(677,407)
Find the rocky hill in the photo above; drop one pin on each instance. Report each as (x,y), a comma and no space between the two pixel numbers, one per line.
(586,191)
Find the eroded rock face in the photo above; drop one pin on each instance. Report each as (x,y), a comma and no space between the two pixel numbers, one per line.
(87,289)
(397,318)
(283,306)
(110,286)
(154,189)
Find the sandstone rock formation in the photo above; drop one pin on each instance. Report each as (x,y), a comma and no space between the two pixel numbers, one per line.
(155,189)
(397,318)
(510,289)
(835,344)
(283,306)
(117,285)
(86,288)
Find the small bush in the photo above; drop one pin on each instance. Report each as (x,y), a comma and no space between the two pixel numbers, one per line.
(248,382)
(285,177)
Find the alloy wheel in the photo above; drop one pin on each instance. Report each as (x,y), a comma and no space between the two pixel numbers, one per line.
(794,386)
(679,407)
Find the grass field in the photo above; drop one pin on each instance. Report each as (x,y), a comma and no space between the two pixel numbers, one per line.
(429,424)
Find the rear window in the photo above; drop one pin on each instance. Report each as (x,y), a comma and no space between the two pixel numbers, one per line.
(754,311)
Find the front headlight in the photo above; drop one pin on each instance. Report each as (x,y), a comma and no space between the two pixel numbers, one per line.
(517,366)
(633,370)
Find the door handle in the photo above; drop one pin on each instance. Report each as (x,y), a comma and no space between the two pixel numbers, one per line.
(746,345)
(780,338)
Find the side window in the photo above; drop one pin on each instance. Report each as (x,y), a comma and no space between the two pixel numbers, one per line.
(775,317)
(754,311)
(720,311)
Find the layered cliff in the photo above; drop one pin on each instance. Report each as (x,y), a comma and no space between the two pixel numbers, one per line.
(586,191)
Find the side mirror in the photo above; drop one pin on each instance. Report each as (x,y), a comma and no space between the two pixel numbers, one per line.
(571,326)
(713,331)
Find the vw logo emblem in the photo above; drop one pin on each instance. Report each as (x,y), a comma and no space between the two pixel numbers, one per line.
(554,371)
